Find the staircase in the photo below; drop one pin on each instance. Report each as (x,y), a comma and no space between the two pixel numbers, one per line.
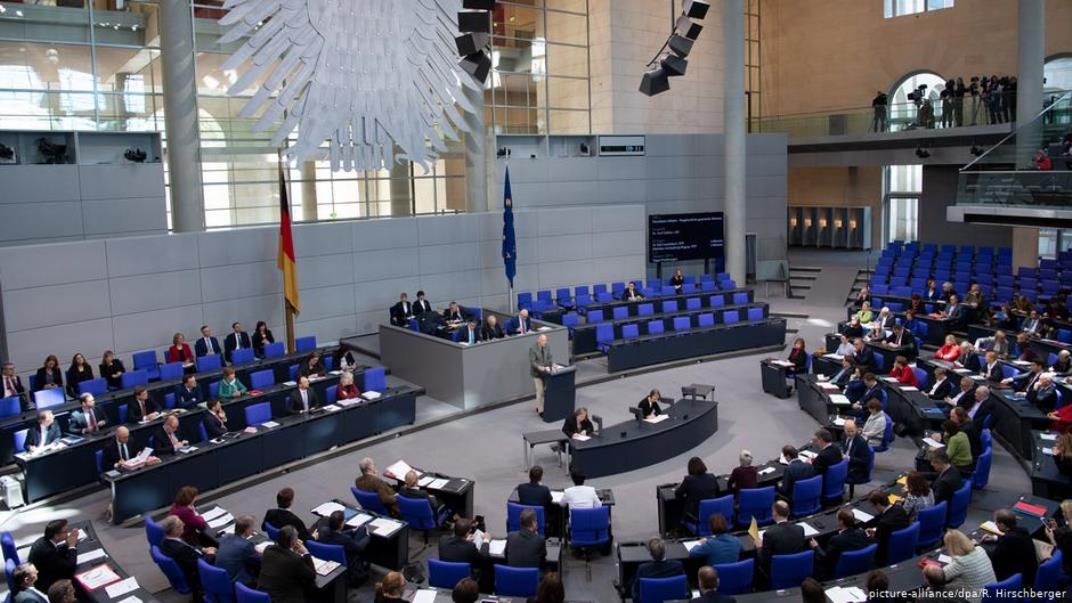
(863,276)
(801,280)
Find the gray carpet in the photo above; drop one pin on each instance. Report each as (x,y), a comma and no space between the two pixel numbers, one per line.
(487,447)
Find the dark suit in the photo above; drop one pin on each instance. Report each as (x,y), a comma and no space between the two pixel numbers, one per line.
(525,549)
(1014,553)
(714,596)
(187,398)
(162,445)
(570,427)
(259,341)
(42,377)
(695,488)
(947,482)
(856,448)
(945,388)
(28,596)
(74,377)
(460,550)
(515,325)
(487,332)
(186,557)
(534,495)
(400,313)
(353,542)
(781,539)
(469,335)
(285,575)
(79,422)
(238,556)
(649,409)
(113,453)
(974,437)
(864,360)
(16,382)
(111,373)
(794,472)
(134,413)
(454,315)
(53,562)
(202,349)
(993,374)
(279,518)
(232,341)
(214,428)
(35,438)
(656,569)
(1045,398)
(895,518)
(852,539)
(827,457)
(295,401)
(421,306)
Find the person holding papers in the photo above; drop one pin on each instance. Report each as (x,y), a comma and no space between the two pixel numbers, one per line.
(180,350)
(88,419)
(1014,550)
(520,324)
(490,329)
(215,420)
(287,570)
(312,366)
(466,545)
(230,385)
(44,433)
(142,408)
(796,469)
(303,399)
(194,525)
(207,345)
(903,373)
(848,538)
(55,554)
(346,390)
(578,425)
(165,439)
(721,546)
(119,451)
(353,542)
(540,363)
(649,406)
(890,518)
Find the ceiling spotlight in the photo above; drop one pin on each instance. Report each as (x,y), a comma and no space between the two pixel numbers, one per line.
(670,60)
(477,64)
(696,9)
(655,81)
(474,43)
(680,46)
(685,27)
(922,153)
(673,65)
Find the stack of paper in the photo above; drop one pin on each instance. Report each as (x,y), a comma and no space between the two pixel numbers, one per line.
(862,516)
(399,470)
(945,559)
(909,388)
(808,454)
(839,421)
(371,395)
(497,548)
(384,527)
(358,520)
(424,596)
(332,407)
(88,556)
(839,400)
(690,544)
(932,443)
(261,546)
(580,437)
(97,577)
(1047,451)
(221,521)
(809,531)
(269,424)
(990,526)
(323,566)
(438,484)
(328,508)
(846,594)
(1052,437)
(657,418)
(122,587)
(424,481)
(766,471)
(214,513)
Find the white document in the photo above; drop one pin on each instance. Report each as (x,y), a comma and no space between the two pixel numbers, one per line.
(846,594)
(581,438)
(1047,451)
(833,356)
(332,407)
(214,513)
(932,443)
(371,395)
(1052,437)
(290,383)
(438,484)
(91,555)
(328,508)
(829,387)
(690,544)
(862,516)
(808,454)
(657,419)
(839,421)
(766,471)
(890,379)
(384,527)
(358,520)
(118,589)
(399,469)
(424,596)
(269,424)
(556,496)
(424,481)
(909,388)
(221,521)
(839,400)
(783,363)
(497,548)
(261,546)
(131,599)
(808,530)
(945,559)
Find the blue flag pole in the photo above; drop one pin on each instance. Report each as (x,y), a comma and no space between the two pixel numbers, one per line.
(509,241)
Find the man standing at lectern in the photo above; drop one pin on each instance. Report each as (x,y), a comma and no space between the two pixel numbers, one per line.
(540,362)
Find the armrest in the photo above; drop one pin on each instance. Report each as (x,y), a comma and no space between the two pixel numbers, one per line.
(598,420)
(637,414)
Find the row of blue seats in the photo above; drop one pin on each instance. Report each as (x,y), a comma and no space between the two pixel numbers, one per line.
(582,296)
(915,247)
(681,324)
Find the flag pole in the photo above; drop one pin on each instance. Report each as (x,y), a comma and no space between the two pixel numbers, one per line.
(288,310)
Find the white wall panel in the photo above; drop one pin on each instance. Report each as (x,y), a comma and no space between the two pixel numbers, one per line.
(55,264)
(160,291)
(385,264)
(249,279)
(130,256)
(153,330)
(56,305)
(29,348)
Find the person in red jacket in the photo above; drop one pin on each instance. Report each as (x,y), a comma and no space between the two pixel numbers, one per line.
(180,350)
(950,350)
(903,373)
(194,525)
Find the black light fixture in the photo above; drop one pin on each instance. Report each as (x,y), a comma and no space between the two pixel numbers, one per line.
(135,155)
(976,150)
(474,43)
(671,59)
(922,152)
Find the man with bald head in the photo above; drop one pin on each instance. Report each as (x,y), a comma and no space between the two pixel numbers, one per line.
(540,362)
(981,407)
(119,449)
(855,448)
(782,538)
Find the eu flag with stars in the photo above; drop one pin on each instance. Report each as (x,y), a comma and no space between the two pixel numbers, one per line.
(509,242)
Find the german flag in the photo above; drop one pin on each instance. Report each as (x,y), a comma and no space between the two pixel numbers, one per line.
(286,262)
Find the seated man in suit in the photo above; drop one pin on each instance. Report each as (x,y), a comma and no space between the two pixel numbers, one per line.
(55,554)
(848,538)
(370,481)
(943,385)
(658,567)
(491,329)
(526,547)
(88,419)
(411,491)
(142,407)
(847,372)
(166,437)
(470,333)
(461,547)
(856,453)
(421,306)
(119,450)
(402,311)
(13,384)
(187,393)
(889,519)
(237,339)
(863,357)
(782,538)
(1013,551)
(353,542)
(707,579)
(287,570)
(25,582)
(303,399)
(520,324)
(795,471)
(237,555)
(282,515)
(534,493)
(829,454)
(963,395)
(453,314)
(948,479)
(980,407)
(44,432)
(207,344)
(992,369)
(902,337)
(1023,382)
(1043,393)
(872,388)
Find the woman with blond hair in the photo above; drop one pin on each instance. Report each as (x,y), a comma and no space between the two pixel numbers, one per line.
(968,571)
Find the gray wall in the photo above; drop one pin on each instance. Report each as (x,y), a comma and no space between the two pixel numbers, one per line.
(679,173)
(939,192)
(130,294)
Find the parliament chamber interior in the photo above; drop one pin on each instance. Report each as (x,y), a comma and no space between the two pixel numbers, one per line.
(536,300)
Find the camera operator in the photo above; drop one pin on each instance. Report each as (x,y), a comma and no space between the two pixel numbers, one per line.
(973,90)
(879,105)
(994,99)
(1010,99)
(947,103)
(958,102)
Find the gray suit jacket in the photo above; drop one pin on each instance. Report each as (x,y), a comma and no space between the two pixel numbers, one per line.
(525,550)
(539,357)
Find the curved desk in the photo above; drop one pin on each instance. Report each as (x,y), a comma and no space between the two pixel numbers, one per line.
(635,444)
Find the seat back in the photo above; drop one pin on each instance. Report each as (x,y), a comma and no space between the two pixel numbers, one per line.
(790,570)
(261,379)
(682,323)
(716,301)
(417,512)
(740,298)
(731,316)
(645,309)
(630,331)
(669,306)
(328,552)
(958,507)
(657,590)
(275,350)
(1003,591)
(516,581)
(570,319)
(209,363)
(692,303)
(446,574)
(369,500)
(1049,575)
(245,594)
(170,569)
(305,344)
(620,312)
(243,356)
(215,582)
(855,562)
(902,544)
(921,378)
(705,320)
(9,407)
(656,327)
(755,314)
(171,371)
(374,379)
(594,316)
(714,506)
(986,439)
(735,578)
(97,387)
(513,516)
(48,398)
(20,439)
(755,502)
(145,360)
(9,574)
(807,496)
(154,534)
(981,477)
(932,524)
(604,332)
(270,530)
(258,413)
(589,527)
(7,545)
(834,481)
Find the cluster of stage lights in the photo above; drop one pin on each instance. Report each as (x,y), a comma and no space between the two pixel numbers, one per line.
(671,59)
(474,45)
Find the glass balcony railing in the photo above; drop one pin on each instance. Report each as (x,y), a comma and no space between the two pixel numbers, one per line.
(1031,167)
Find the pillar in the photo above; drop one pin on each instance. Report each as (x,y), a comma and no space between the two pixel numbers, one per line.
(180,109)
(734,137)
(1031,50)
(476,159)
(308,191)
(401,188)
(1025,246)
